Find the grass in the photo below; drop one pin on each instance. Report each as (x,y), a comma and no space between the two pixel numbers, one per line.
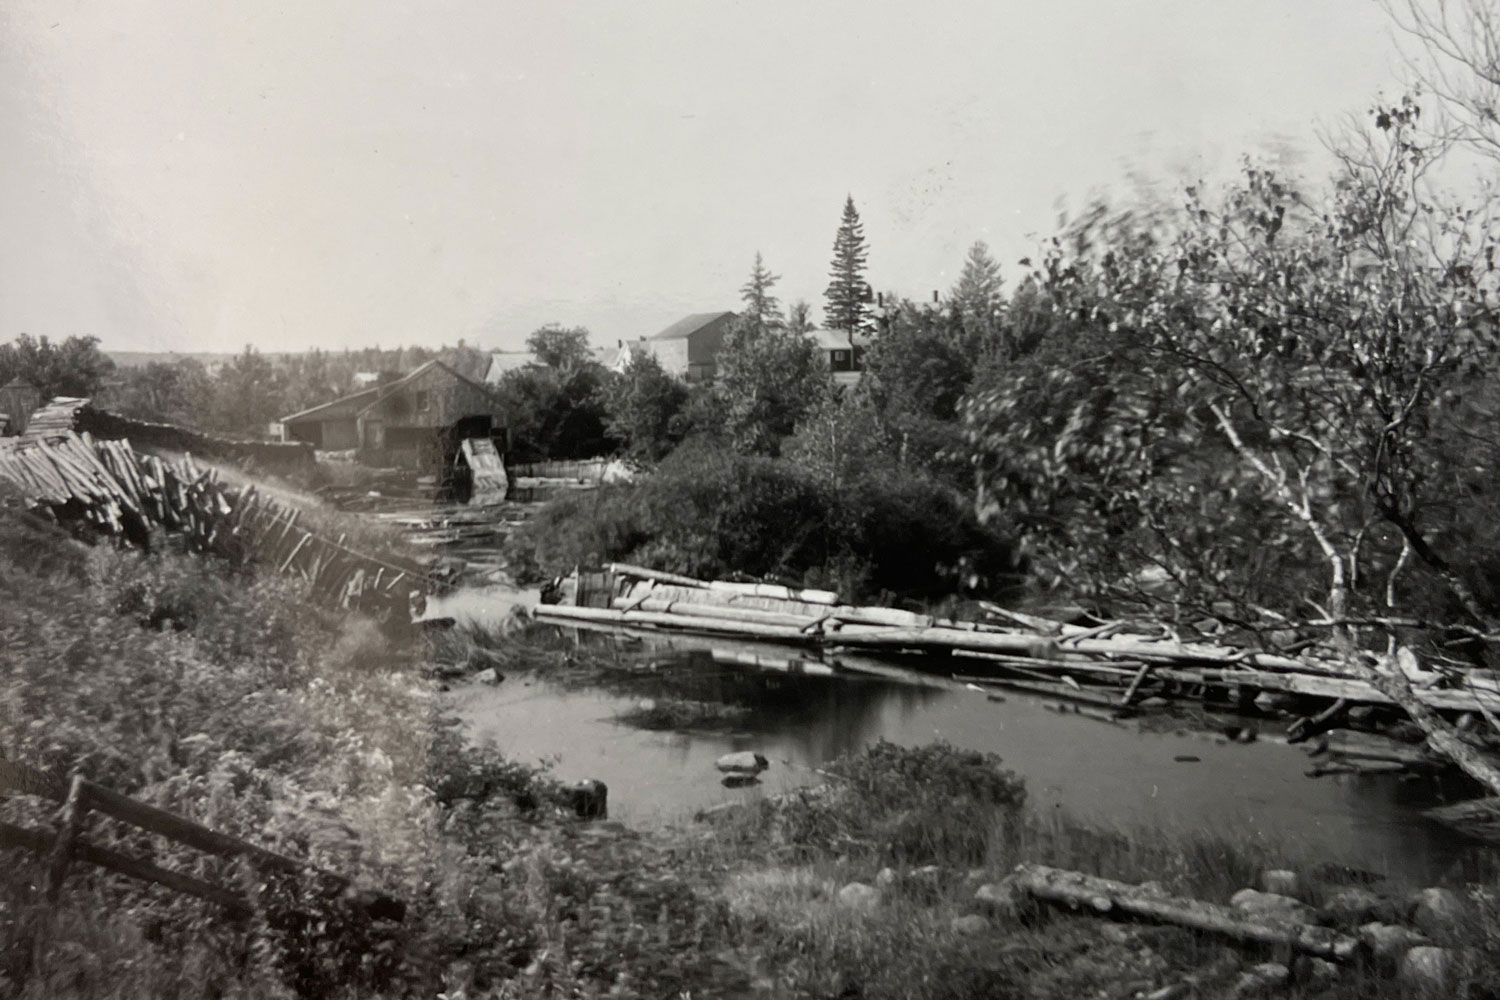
(231,700)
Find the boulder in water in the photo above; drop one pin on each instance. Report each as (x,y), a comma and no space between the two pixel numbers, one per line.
(744,762)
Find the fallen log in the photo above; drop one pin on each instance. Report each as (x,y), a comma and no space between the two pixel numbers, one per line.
(1107,897)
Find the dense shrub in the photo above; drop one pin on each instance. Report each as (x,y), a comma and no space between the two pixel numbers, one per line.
(711,513)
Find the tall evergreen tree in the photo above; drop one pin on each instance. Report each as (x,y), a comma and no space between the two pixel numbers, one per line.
(762,309)
(848,296)
(977,302)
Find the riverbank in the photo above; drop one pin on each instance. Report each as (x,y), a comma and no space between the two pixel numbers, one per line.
(243,707)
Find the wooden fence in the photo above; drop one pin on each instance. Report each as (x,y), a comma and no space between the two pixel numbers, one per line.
(79,797)
(115,490)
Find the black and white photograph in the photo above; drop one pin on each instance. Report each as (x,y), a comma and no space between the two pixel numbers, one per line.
(789,500)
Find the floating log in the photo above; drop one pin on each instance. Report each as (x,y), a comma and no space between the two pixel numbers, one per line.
(1108,897)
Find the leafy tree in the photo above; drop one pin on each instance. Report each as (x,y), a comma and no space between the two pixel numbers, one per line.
(766,383)
(554,408)
(250,392)
(75,367)
(848,295)
(799,319)
(560,347)
(977,301)
(762,309)
(643,404)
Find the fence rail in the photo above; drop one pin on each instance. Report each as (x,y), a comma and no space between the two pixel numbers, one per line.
(79,797)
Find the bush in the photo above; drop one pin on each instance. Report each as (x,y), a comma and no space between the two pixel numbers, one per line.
(708,512)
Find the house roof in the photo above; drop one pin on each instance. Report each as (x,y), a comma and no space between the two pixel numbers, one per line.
(421,370)
(838,340)
(344,406)
(689,325)
(356,404)
(17,383)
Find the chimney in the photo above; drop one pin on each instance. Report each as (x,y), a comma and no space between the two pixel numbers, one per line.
(934,296)
(880,299)
(620,343)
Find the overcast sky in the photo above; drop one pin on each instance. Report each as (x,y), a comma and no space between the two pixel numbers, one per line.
(190,175)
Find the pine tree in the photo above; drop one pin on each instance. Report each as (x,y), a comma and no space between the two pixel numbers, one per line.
(977,301)
(762,309)
(848,297)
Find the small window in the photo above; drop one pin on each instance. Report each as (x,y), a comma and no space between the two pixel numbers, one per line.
(841,355)
(424,401)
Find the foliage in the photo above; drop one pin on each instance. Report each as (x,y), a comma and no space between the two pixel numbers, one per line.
(762,310)
(560,347)
(848,295)
(643,405)
(767,381)
(711,513)
(74,367)
(978,303)
(1280,371)
(555,407)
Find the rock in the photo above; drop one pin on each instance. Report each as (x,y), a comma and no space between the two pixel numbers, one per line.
(1155,701)
(744,762)
(1261,979)
(646,705)
(1273,906)
(886,877)
(1005,899)
(588,799)
(1362,715)
(1388,942)
(1356,906)
(1117,933)
(928,874)
(1281,881)
(1438,913)
(859,896)
(1429,970)
(1314,973)
(489,675)
(1273,703)
(971,924)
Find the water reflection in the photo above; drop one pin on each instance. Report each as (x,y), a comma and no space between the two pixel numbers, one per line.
(802,713)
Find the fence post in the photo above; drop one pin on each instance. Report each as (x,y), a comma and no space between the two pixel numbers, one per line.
(74,808)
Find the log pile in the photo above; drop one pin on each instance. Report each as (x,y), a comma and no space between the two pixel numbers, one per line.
(108,488)
(1112,668)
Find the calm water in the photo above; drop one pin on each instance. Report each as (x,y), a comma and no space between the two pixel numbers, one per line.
(801,715)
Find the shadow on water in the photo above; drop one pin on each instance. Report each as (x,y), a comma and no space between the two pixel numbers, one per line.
(802,713)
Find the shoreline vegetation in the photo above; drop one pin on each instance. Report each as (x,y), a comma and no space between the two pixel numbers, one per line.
(313,734)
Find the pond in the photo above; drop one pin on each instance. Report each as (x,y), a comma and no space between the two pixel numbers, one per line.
(802,713)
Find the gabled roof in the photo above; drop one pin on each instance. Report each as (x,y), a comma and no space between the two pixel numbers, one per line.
(344,406)
(689,325)
(421,370)
(356,404)
(838,340)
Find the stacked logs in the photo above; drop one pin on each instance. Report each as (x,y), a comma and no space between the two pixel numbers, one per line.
(110,488)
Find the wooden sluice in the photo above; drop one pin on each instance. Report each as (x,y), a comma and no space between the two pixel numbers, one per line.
(111,489)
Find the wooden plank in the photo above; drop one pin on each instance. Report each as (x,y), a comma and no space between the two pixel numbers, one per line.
(40,843)
(187,832)
(24,780)
(75,809)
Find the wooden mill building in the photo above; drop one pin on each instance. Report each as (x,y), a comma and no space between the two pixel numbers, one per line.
(416,422)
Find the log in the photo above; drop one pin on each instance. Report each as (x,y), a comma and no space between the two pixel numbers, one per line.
(686,623)
(1106,896)
(751,615)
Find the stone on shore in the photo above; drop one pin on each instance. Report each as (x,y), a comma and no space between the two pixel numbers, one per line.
(859,896)
(971,924)
(1428,969)
(1262,979)
(1272,906)
(1356,906)
(744,762)
(1438,913)
(1389,942)
(1281,881)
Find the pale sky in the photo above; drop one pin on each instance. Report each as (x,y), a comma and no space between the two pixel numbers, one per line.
(192,176)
